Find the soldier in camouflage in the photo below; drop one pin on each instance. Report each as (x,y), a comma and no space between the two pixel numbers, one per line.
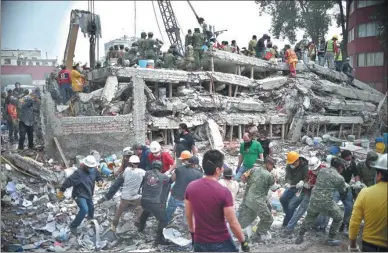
(259,181)
(189,38)
(198,40)
(328,182)
(142,45)
(150,52)
(169,61)
(366,172)
(132,54)
(189,58)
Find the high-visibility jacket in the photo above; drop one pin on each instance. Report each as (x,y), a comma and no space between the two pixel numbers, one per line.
(339,57)
(330,46)
(290,56)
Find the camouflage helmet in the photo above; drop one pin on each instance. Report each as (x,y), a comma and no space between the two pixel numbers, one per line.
(196,30)
(150,34)
(169,51)
(143,35)
(135,44)
(372,156)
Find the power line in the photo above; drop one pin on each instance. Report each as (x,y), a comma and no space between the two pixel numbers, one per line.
(157,22)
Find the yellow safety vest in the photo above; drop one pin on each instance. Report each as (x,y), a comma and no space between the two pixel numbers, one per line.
(330,46)
(339,58)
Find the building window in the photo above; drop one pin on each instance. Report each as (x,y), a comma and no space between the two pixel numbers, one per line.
(37,63)
(366,3)
(351,8)
(370,59)
(30,63)
(367,30)
(24,63)
(34,58)
(351,60)
(7,61)
(45,63)
(351,35)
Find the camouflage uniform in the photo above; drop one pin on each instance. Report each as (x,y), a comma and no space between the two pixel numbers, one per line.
(189,39)
(142,45)
(197,46)
(169,60)
(150,52)
(255,200)
(367,173)
(189,58)
(328,182)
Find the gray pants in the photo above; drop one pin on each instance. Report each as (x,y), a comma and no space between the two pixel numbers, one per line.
(329,57)
(321,60)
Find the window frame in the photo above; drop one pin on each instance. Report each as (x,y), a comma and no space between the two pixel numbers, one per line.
(366,62)
(7,61)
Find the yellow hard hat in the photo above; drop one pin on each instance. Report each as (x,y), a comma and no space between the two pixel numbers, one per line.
(292,157)
(185,155)
(380,147)
(335,36)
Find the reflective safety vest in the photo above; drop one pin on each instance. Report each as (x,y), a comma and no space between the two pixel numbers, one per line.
(330,46)
(291,56)
(339,58)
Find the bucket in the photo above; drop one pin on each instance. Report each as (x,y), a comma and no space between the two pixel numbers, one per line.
(150,64)
(365,143)
(105,170)
(379,139)
(143,63)
(162,92)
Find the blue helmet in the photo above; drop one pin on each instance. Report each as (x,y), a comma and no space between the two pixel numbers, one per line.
(334,150)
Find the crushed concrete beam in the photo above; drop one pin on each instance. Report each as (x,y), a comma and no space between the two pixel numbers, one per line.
(86,97)
(173,122)
(139,110)
(272,82)
(328,73)
(214,135)
(235,119)
(334,120)
(349,105)
(110,89)
(366,87)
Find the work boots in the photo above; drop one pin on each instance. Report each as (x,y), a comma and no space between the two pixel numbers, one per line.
(299,239)
(160,240)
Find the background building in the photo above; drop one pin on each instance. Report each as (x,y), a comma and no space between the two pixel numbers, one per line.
(367,55)
(18,65)
(125,40)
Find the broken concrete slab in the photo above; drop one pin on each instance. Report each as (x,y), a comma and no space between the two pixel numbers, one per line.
(173,122)
(214,135)
(349,105)
(86,97)
(272,82)
(110,89)
(335,120)
(366,87)
(328,73)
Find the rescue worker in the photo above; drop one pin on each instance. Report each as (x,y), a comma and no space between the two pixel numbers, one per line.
(150,51)
(64,82)
(338,58)
(142,152)
(164,157)
(331,51)
(321,52)
(133,54)
(76,78)
(291,59)
(82,181)
(142,45)
(12,119)
(153,190)
(127,153)
(189,38)
(235,48)
(266,143)
(321,202)
(182,176)
(260,46)
(198,40)
(371,207)
(259,182)
(312,51)
(18,91)
(296,175)
(116,51)
(184,141)
(26,119)
(110,54)
(304,43)
(169,60)
(348,70)
(365,170)
(252,45)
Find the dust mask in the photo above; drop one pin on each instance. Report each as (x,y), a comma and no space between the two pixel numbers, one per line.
(156,154)
(292,166)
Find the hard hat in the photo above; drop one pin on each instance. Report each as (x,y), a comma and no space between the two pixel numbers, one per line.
(335,36)
(185,155)
(134,159)
(381,162)
(292,157)
(380,147)
(314,163)
(90,161)
(127,151)
(155,147)
(329,158)
(372,156)
(334,150)
(156,165)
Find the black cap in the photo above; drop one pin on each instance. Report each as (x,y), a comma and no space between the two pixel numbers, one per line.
(193,160)
(228,172)
(157,165)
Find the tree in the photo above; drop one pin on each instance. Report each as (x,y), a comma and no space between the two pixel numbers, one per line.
(342,18)
(288,16)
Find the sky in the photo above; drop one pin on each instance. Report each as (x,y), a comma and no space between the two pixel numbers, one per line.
(45,24)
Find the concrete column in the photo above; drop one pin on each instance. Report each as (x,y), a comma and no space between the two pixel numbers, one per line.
(139,109)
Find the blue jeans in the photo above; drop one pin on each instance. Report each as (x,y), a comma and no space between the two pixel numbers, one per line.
(241,171)
(347,201)
(321,60)
(66,92)
(173,203)
(226,246)
(289,203)
(86,206)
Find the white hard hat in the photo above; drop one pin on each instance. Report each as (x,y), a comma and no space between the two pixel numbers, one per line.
(329,158)
(134,159)
(314,163)
(155,147)
(90,161)
(380,163)
(127,151)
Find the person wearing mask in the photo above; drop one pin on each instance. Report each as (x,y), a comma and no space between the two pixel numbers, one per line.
(321,52)
(331,51)
(82,181)
(348,70)
(296,176)
(142,152)
(12,120)
(250,151)
(184,141)
(328,182)
(182,176)
(26,119)
(366,171)
(76,78)
(210,212)
(312,51)
(64,82)
(260,46)
(265,143)
(156,154)
(291,59)
(18,91)
(338,58)
(371,207)
(153,196)
(259,182)
(252,45)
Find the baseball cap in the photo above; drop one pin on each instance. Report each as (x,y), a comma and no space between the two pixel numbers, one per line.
(193,160)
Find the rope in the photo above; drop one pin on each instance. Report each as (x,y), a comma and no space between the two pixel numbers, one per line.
(157,22)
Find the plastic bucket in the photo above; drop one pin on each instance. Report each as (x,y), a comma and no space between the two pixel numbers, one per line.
(105,170)
(385,135)
(365,144)
(162,92)
(143,63)
(150,64)
(379,139)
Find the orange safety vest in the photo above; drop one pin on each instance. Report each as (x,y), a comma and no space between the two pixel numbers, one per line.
(291,56)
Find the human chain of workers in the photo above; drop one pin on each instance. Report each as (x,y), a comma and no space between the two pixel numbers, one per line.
(147,175)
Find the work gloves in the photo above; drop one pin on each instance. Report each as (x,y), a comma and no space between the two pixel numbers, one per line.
(60,195)
(299,185)
(245,246)
(356,249)
(274,187)
(306,185)
(358,185)
(287,185)
(100,184)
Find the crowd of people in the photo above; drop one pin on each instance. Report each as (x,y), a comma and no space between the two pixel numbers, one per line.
(153,183)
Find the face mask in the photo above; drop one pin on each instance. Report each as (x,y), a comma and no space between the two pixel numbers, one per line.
(156,154)
(292,166)
(347,163)
(315,172)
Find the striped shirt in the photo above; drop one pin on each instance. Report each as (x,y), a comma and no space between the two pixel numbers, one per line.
(132,181)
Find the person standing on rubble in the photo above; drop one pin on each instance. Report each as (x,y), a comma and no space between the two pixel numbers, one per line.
(328,182)
(312,51)
(164,157)
(127,153)
(169,60)
(265,143)
(331,51)
(182,176)
(338,58)
(321,52)
(76,78)
(366,171)
(189,38)
(291,59)
(142,45)
(250,151)
(198,40)
(260,46)
(12,119)
(296,176)
(184,141)
(153,188)
(371,206)
(259,182)
(64,82)
(210,212)
(348,70)
(235,47)
(82,181)
(252,45)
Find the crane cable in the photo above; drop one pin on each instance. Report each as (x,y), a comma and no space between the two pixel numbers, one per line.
(135,17)
(157,22)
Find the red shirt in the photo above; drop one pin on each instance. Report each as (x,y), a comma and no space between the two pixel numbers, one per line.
(312,179)
(64,77)
(208,199)
(165,158)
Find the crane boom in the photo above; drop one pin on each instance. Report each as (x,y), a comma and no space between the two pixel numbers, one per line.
(170,24)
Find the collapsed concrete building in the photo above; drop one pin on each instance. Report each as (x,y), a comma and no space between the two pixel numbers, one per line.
(231,94)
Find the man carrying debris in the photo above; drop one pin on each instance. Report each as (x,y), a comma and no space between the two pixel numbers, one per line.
(296,176)
(371,206)
(64,82)
(156,154)
(291,59)
(250,151)
(331,51)
(82,181)
(321,202)
(365,169)
(211,211)
(184,141)
(183,175)
(153,191)
(259,181)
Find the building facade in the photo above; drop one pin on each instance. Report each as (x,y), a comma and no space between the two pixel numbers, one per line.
(367,56)
(125,40)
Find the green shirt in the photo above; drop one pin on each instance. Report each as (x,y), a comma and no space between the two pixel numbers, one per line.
(252,154)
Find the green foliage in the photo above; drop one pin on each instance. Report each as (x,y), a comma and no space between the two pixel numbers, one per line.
(381,18)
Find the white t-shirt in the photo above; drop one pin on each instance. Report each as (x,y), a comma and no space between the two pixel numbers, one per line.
(132,182)
(231,185)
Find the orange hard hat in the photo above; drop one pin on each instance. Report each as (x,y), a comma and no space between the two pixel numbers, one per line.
(292,157)
(185,155)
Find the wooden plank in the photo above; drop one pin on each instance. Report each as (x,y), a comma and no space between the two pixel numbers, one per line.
(61,152)
(170,90)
